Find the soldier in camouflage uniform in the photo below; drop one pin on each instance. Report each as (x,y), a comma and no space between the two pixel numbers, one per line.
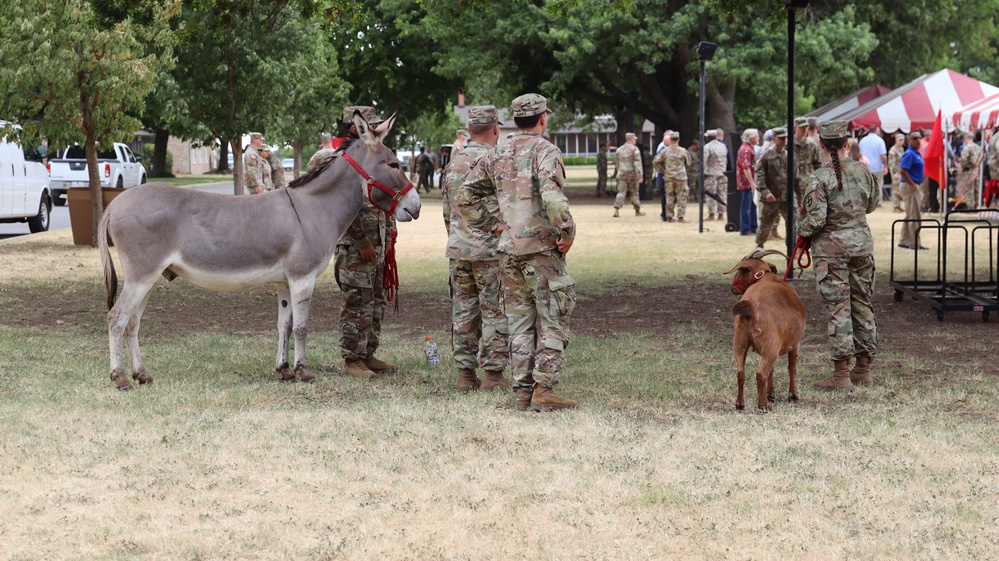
(694,171)
(325,151)
(264,168)
(894,160)
(478,327)
(813,136)
(359,266)
(969,176)
(807,157)
(421,164)
(994,156)
(535,230)
(672,163)
(838,197)
(629,175)
(276,169)
(253,164)
(602,170)
(715,164)
(771,183)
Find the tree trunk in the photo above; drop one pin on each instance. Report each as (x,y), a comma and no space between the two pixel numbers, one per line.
(159,155)
(721,99)
(296,147)
(237,164)
(223,158)
(96,197)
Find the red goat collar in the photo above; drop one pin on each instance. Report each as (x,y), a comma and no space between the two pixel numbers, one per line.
(742,285)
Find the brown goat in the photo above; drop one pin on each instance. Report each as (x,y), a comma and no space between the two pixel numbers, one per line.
(770,319)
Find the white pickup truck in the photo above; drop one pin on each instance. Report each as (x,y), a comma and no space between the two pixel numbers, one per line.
(117,167)
(24,185)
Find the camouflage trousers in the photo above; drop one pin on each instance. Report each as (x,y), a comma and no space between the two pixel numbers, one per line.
(718,185)
(846,284)
(896,194)
(627,188)
(675,193)
(601,183)
(478,326)
(538,294)
(364,301)
(769,218)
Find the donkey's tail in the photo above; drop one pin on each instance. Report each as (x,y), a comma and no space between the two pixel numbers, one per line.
(110,276)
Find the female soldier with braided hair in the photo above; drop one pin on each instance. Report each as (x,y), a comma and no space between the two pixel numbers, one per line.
(837,199)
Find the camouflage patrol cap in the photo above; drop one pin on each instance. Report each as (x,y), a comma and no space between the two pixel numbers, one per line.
(780,132)
(367,112)
(256,136)
(482,115)
(710,133)
(529,105)
(813,121)
(461,132)
(675,135)
(326,137)
(899,136)
(801,122)
(832,129)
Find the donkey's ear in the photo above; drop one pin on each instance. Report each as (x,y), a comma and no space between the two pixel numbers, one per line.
(383,128)
(363,129)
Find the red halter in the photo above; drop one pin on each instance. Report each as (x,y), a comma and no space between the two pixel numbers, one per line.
(744,285)
(372,182)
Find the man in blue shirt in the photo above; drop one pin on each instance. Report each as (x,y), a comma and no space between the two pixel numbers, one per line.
(911,170)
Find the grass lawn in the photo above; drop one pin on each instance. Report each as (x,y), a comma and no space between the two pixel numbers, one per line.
(194,179)
(218,460)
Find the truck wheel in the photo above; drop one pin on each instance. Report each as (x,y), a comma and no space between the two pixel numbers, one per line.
(120,184)
(143,180)
(57,199)
(40,222)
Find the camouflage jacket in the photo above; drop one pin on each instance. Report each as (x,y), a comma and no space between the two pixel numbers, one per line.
(251,169)
(969,157)
(629,162)
(465,242)
(319,157)
(672,162)
(526,175)
(716,154)
(895,159)
(994,152)
(276,171)
(264,173)
(771,174)
(421,162)
(602,163)
(807,158)
(836,219)
(695,162)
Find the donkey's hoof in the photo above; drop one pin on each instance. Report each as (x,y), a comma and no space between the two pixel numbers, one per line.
(142,377)
(305,375)
(285,373)
(121,380)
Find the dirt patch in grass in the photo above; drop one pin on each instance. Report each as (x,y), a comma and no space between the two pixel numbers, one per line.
(617,309)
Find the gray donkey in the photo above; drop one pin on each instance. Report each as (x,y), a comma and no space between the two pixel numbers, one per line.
(224,243)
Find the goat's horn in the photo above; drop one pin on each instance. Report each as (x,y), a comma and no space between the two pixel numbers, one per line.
(761,254)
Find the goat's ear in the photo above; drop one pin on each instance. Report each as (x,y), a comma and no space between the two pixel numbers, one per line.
(773,268)
(734,269)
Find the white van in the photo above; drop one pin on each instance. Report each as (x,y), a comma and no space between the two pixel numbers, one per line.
(24,184)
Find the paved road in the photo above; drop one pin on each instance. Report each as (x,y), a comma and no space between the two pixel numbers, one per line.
(60,214)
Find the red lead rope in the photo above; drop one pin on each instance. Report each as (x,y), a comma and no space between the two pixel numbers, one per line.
(391,281)
(802,249)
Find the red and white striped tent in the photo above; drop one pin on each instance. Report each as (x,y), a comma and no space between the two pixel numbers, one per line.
(915,104)
(848,102)
(981,114)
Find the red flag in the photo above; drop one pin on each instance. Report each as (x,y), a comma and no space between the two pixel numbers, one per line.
(934,156)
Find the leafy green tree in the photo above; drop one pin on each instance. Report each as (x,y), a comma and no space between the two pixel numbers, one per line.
(68,74)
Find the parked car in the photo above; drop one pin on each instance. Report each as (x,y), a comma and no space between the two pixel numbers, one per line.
(24,185)
(118,167)
(404,157)
(288,163)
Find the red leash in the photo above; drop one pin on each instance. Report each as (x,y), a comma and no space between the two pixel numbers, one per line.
(802,248)
(390,282)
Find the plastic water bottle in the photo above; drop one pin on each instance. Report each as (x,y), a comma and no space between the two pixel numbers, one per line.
(430,350)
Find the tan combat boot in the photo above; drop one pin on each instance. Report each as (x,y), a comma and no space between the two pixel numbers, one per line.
(861,373)
(523,396)
(617,213)
(775,235)
(378,366)
(709,218)
(545,399)
(467,380)
(638,211)
(680,220)
(357,369)
(494,379)
(840,379)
